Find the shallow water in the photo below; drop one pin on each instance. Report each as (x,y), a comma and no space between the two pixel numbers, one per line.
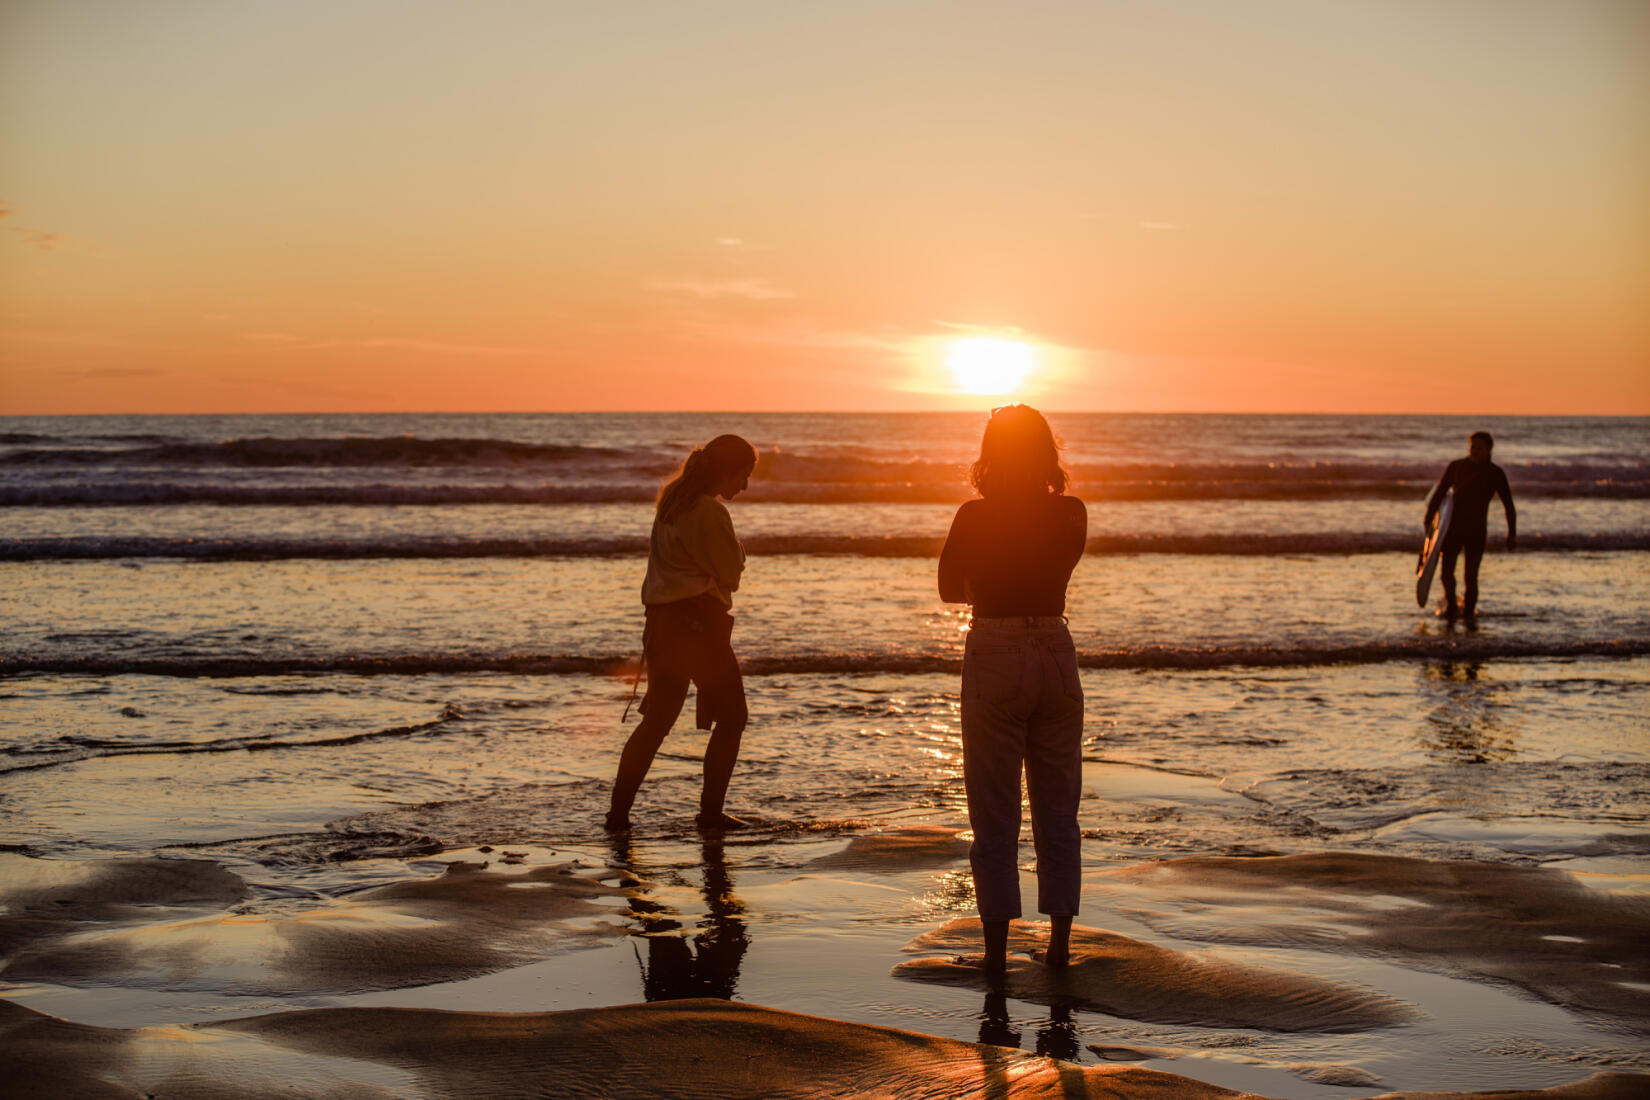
(1284,759)
(327,698)
(795,612)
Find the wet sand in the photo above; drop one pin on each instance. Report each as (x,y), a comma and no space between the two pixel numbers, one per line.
(691,1048)
(514,972)
(1120,976)
(1542,931)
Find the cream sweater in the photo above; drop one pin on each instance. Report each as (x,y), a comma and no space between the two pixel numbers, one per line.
(695,553)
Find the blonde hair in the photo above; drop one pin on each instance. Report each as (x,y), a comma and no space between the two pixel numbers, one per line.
(700,471)
(1018,454)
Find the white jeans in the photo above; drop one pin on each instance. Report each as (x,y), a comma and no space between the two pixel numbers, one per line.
(1022,707)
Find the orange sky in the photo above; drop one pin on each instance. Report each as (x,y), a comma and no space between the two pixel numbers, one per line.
(1278,205)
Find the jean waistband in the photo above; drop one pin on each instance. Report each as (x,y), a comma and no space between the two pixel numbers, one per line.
(1017,623)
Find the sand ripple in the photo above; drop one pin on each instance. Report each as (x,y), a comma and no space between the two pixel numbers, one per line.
(1542,930)
(469,921)
(675,1050)
(898,850)
(1140,981)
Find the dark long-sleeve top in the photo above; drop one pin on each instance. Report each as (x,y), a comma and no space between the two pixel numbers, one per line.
(1013,556)
(1475,484)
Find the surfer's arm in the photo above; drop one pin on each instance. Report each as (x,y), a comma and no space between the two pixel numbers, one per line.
(953,565)
(1504,491)
(1437,497)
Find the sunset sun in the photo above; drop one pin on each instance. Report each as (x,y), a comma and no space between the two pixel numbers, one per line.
(989,365)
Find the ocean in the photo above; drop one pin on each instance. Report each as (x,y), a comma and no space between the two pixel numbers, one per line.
(318,650)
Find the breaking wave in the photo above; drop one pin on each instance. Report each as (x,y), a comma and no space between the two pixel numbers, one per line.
(71,750)
(272,452)
(1441,648)
(872,546)
(42,472)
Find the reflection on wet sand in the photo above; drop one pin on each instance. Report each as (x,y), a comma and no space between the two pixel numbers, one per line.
(676,967)
(1057,1038)
(162,923)
(1467,723)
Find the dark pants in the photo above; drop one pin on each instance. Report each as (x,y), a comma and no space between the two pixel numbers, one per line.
(687,643)
(1472,542)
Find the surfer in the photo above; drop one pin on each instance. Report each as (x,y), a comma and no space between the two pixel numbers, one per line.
(694,562)
(1010,553)
(1475,480)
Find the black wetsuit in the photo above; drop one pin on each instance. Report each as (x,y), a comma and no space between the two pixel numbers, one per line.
(1475,484)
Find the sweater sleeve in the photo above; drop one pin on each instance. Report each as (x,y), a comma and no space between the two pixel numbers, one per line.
(713,544)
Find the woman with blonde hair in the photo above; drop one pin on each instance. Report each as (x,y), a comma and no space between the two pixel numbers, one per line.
(1010,553)
(693,566)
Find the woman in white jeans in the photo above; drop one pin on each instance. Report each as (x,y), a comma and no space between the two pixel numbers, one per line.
(1009,554)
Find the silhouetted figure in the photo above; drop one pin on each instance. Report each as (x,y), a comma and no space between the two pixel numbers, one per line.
(1010,554)
(693,566)
(1475,480)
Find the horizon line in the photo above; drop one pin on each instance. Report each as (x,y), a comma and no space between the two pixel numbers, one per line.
(836,412)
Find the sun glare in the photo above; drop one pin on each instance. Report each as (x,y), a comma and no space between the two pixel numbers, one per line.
(989,365)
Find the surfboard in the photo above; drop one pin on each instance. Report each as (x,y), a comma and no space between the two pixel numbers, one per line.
(1433,549)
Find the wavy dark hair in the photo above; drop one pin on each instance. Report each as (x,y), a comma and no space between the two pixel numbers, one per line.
(700,470)
(1019,454)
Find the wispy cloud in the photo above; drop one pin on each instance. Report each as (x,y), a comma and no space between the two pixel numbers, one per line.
(439,348)
(35,238)
(294,342)
(116,372)
(282,384)
(39,238)
(739,244)
(72,338)
(802,334)
(1006,331)
(756,290)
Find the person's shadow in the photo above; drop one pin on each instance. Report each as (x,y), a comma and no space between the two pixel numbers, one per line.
(676,967)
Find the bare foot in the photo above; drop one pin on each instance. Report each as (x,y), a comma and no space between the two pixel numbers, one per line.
(1052,957)
(1058,952)
(616,823)
(719,822)
(993,965)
